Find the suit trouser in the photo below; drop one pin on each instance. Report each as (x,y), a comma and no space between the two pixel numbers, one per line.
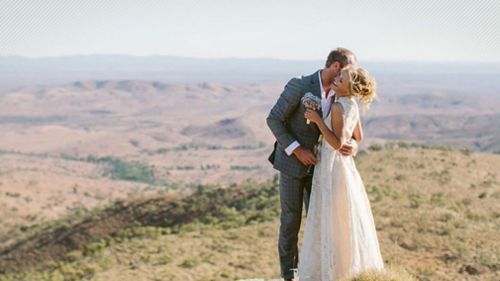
(293,192)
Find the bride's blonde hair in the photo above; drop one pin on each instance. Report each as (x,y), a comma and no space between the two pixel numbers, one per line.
(361,84)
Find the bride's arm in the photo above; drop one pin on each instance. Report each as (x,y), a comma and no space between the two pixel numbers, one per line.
(332,137)
(358,132)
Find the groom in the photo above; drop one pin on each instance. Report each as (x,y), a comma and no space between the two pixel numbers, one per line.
(293,154)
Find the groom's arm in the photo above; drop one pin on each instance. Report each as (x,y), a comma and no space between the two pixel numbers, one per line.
(280,113)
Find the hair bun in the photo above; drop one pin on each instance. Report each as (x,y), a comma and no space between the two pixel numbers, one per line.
(361,84)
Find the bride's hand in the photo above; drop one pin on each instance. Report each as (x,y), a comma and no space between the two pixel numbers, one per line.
(312,115)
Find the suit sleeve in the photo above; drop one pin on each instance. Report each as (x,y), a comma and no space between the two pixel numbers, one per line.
(287,103)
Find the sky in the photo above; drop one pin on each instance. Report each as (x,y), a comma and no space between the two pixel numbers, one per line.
(383,30)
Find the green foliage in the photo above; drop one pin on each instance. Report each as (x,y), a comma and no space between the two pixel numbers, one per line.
(118,169)
(466,151)
(13,194)
(149,232)
(378,193)
(416,199)
(375,147)
(209,167)
(64,272)
(229,208)
(197,146)
(244,168)
(443,177)
(488,259)
(185,168)
(249,147)
(438,199)
(134,171)
(95,247)
(134,143)
(399,177)
(77,209)
(190,263)
(420,206)
(427,271)
(165,259)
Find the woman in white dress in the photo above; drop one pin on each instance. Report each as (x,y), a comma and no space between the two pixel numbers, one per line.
(340,238)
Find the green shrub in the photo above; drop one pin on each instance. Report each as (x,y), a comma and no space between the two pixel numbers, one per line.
(416,199)
(190,263)
(375,147)
(121,170)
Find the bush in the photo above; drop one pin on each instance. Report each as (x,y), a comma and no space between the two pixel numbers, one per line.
(190,263)
(375,147)
(131,171)
(416,199)
(13,194)
(118,169)
(465,151)
(244,168)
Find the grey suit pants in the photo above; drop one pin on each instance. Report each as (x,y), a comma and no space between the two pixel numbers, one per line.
(293,192)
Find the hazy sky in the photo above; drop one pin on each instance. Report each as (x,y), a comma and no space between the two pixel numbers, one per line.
(430,30)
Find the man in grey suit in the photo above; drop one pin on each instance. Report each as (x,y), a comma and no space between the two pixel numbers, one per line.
(293,154)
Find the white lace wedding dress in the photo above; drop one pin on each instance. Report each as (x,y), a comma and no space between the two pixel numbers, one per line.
(339,237)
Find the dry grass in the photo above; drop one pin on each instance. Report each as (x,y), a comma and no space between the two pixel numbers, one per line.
(389,274)
(37,188)
(435,211)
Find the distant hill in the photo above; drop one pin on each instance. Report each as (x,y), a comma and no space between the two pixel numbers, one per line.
(435,213)
(473,131)
(216,132)
(123,85)
(22,71)
(219,132)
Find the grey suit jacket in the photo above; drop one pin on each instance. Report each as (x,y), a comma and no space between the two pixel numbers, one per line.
(287,122)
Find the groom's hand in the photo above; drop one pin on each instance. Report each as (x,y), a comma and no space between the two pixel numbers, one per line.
(348,148)
(305,156)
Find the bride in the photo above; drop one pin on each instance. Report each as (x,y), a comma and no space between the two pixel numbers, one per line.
(340,237)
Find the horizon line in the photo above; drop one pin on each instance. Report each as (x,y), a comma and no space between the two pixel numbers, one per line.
(243,58)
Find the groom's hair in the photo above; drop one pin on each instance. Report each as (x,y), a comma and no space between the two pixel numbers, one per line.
(341,55)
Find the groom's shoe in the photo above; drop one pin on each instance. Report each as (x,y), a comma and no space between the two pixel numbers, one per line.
(294,270)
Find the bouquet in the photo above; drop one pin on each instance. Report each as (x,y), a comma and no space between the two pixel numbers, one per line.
(311,101)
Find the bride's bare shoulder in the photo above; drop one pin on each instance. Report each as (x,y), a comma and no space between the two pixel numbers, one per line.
(337,109)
